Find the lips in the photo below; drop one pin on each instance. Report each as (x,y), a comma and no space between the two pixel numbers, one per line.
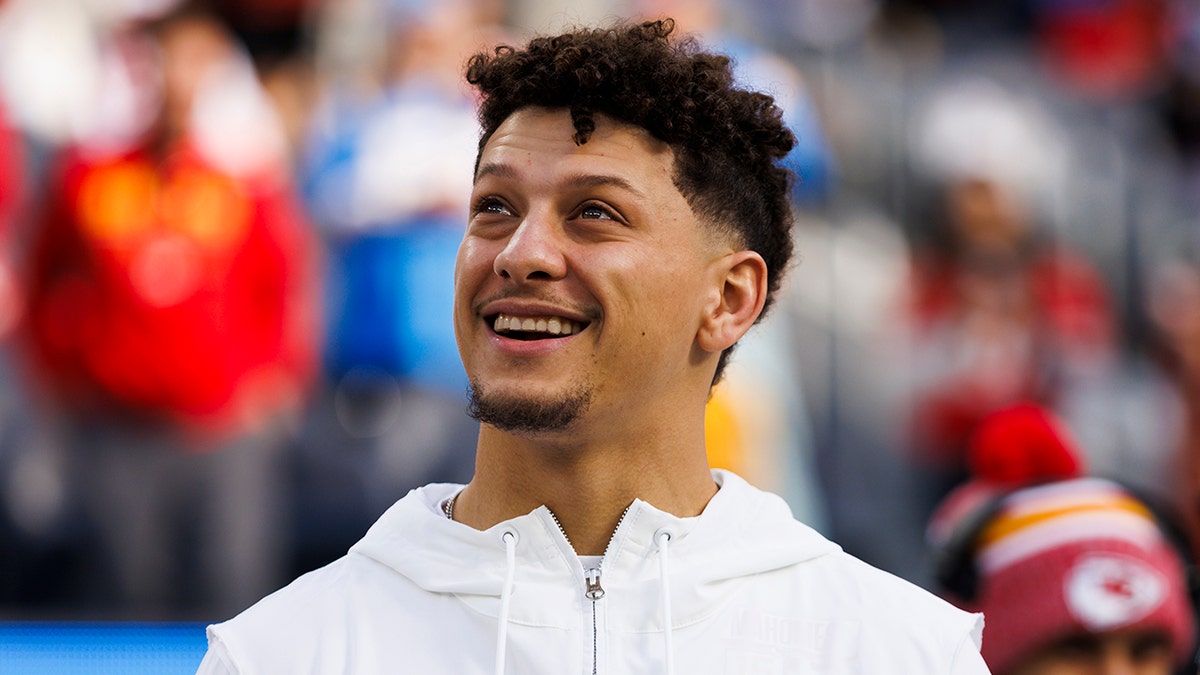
(534,327)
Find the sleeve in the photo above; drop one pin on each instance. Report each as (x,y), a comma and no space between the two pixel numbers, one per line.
(967,659)
(217,660)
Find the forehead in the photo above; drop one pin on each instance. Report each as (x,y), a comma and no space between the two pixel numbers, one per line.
(544,137)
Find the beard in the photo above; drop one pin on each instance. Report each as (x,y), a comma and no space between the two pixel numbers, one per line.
(517,414)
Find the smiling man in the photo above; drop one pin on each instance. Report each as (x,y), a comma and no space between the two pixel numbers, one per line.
(629,223)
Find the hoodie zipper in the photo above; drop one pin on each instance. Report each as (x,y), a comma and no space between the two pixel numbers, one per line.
(592,590)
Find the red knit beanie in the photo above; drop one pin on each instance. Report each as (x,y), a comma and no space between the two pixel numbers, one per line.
(1055,554)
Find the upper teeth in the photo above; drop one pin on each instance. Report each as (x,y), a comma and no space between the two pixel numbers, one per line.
(542,324)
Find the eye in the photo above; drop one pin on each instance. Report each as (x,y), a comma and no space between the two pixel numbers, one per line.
(596,212)
(492,206)
(1149,647)
(1076,648)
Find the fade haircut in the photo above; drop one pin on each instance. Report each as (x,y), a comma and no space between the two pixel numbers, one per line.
(727,141)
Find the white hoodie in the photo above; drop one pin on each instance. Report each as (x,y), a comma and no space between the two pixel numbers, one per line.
(742,588)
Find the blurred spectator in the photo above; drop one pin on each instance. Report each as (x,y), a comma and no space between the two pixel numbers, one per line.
(1074,574)
(172,307)
(386,166)
(1000,309)
(385,173)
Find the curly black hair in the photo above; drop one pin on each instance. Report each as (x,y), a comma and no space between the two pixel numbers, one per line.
(727,141)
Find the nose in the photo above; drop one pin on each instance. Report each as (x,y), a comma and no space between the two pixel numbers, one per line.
(1118,664)
(533,251)
(1120,657)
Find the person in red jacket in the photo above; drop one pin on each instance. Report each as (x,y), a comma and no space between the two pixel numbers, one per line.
(1000,307)
(172,319)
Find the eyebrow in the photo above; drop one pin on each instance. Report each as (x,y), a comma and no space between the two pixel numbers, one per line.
(579,180)
(493,169)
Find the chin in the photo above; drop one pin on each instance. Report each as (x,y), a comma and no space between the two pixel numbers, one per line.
(525,413)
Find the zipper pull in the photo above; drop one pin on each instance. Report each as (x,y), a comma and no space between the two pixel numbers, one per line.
(594,591)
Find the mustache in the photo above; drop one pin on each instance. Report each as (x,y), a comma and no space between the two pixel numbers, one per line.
(591,311)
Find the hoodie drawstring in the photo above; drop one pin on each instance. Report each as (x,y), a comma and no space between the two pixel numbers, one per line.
(510,556)
(663,539)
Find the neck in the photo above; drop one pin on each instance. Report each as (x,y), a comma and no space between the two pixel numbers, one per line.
(587,486)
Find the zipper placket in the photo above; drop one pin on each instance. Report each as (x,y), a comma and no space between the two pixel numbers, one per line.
(592,590)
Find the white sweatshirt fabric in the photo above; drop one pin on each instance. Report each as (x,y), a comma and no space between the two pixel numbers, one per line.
(741,588)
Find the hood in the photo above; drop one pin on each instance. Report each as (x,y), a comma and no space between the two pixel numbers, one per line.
(742,531)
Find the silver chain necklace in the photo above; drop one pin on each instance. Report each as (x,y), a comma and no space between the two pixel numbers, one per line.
(448,506)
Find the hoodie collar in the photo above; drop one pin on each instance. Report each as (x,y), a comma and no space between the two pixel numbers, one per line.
(742,531)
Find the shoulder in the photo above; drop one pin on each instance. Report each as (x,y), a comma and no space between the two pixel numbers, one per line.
(317,618)
(217,660)
(320,620)
(870,585)
(792,573)
(286,620)
(871,621)
(892,612)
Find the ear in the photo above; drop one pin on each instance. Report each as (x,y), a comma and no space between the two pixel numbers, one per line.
(740,294)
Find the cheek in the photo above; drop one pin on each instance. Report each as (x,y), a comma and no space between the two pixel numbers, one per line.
(472,265)
(662,302)
(472,268)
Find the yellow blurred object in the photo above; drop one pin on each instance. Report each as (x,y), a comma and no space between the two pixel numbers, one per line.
(115,202)
(206,206)
(722,432)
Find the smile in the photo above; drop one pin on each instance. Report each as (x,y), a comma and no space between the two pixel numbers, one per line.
(534,327)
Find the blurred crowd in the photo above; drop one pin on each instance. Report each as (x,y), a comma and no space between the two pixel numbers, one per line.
(227,234)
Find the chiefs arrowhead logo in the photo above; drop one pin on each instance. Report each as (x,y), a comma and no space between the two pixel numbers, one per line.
(1107,591)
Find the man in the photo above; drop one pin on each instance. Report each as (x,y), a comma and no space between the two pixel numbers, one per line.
(173,295)
(1076,574)
(629,225)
